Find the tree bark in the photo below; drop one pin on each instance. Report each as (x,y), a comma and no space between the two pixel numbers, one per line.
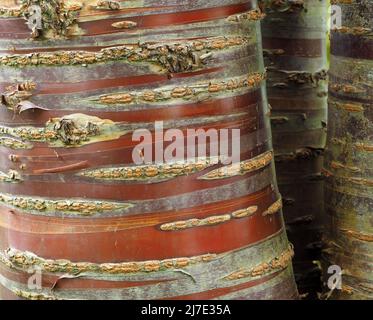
(75,206)
(295,50)
(349,157)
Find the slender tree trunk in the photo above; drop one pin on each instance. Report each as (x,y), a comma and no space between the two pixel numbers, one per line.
(295,48)
(75,206)
(349,157)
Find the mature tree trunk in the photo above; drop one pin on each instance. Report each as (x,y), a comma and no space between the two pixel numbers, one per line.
(349,156)
(73,202)
(295,48)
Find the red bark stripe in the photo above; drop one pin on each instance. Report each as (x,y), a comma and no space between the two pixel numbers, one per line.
(91,85)
(150,21)
(40,224)
(218,106)
(16,28)
(146,243)
(116,191)
(245,123)
(116,157)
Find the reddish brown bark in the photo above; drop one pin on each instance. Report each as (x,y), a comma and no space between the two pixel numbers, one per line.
(75,204)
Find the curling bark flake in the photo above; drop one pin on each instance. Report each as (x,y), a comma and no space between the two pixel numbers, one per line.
(295,50)
(349,156)
(74,86)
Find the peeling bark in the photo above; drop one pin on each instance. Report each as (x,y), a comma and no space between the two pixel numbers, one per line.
(74,87)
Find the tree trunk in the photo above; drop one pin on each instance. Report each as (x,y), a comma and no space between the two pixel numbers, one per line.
(349,157)
(295,49)
(76,206)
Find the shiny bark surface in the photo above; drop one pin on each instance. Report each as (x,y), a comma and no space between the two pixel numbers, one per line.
(74,87)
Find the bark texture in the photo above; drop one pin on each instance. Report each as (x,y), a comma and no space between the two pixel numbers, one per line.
(295,50)
(75,84)
(349,157)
